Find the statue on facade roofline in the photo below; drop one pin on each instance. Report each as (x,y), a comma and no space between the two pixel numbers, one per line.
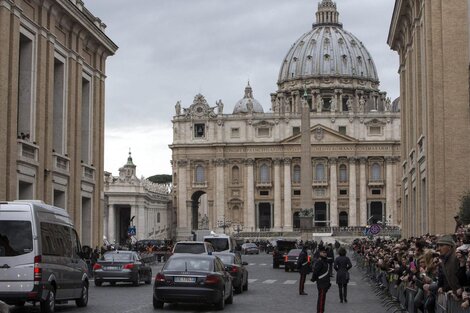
(178,107)
(388,105)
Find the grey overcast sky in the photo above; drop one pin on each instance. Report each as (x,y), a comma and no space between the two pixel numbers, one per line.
(170,50)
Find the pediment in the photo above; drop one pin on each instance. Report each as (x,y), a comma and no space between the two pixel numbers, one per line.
(321,134)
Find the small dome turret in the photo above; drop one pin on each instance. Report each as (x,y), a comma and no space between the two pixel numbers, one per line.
(248,104)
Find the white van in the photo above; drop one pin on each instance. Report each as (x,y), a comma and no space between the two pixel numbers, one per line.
(40,256)
(221,242)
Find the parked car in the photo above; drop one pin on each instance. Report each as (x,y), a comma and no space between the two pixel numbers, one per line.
(41,256)
(121,266)
(280,251)
(193,278)
(197,247)
(221,242)
(290,260)
(250,248)
(236,267)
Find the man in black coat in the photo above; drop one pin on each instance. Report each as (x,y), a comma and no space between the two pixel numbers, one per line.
(330,258)
(321,276)
(303,265)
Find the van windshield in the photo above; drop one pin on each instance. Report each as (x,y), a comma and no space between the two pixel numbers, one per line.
(16,238)
(220,244)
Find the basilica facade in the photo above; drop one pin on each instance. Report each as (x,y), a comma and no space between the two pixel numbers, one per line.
(329,145)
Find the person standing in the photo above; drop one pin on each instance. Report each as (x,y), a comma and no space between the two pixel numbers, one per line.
(321,275)
(342,266)
(330,258)
(303,265)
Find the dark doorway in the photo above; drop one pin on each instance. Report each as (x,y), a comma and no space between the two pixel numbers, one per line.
(195,209)
(264,216)
(376,212)
(320,214)
(296,220)
(123,224)
(343,219)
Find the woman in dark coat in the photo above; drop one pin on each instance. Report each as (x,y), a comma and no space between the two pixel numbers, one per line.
(342,265)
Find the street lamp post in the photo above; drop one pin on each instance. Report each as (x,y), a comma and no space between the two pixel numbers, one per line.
(224,223)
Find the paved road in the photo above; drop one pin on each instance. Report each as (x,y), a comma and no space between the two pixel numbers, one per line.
(270,290)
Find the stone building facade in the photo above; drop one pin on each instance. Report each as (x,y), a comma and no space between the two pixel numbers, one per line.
(330,143)
(432,40)
(137,202)
(52,83)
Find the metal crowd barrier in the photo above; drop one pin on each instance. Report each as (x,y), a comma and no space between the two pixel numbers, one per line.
(403,297)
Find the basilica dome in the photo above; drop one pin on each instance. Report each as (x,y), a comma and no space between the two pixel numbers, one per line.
(328,50)
(248,104)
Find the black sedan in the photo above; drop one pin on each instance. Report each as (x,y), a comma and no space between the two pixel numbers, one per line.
(121,266)
(236,267)
(290,260)
(193,278)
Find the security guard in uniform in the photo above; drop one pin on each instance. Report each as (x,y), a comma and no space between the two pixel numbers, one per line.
(321,275)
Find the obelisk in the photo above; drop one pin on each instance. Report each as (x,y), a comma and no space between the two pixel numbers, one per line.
(305,157)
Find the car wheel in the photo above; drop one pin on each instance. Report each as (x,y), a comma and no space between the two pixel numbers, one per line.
(83,300)
(98,283)
(157,304)
(221,304)
(113,283)
(230,297)
(48,306)
(148,281)
(137,280)
(275,265)
(239,289)
(245,286)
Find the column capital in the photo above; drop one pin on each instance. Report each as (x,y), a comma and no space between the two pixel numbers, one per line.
(389,159)
(352,160)
(363,160)
(287,161)
(249,162)
(219,162)
(182,163)
(277,161)
(333,160)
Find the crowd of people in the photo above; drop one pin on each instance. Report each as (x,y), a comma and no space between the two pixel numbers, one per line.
(430,265)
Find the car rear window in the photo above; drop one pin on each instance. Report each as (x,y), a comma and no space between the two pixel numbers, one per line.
(118,257)
(226,259)
(16,238)
(185,265)
(189,248)
(220,244)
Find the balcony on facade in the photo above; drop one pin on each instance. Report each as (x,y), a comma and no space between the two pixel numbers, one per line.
(376,182)
(320,183)
(27,151)
(88,173)
(60,163)
(199,185)
(264,184)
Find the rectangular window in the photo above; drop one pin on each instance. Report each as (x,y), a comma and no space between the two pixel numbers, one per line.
(343,192)
(375,130)
(58,109)
(25,88)
(25,190)
(16,238)
(295,130)
(264,193)
(376,191)
(86,120)
(86,221)
(263,132)
(342,130)
(56,240)
(59,198)
(199,130)
(296,192)
(235,133)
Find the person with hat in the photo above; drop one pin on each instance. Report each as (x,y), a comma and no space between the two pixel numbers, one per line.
(303,264)
(458,223)
(321,275)
(452,275)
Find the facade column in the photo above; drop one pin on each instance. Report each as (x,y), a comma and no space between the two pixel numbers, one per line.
(182,226)
(220,188)
(287,224)
(141,217)
(389,191)
(250,196)
(112,224)
(363,191)
(333,193)
(277,195)
(352,192)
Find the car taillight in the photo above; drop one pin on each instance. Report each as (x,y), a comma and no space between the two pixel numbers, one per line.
(97,267)
(160,277)
(234,269)
(308,259)
(212,280)
(37,269)
(286,258)
(128,266)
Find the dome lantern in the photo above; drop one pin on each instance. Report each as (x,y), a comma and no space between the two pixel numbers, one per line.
(327,13)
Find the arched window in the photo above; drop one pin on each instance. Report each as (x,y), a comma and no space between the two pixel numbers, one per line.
(343,173)
(376,175)
(296,176)
(199,174)
(235,175)
(158,217)
(320,172)
(264,173)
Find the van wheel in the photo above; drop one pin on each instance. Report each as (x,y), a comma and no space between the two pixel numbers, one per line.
(48,306)
(83,300)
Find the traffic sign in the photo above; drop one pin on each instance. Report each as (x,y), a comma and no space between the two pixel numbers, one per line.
(131,231)
(375,229)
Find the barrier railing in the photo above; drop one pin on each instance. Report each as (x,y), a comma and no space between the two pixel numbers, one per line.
(403,296)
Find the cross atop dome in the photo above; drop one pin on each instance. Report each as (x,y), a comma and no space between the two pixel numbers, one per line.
(327,13)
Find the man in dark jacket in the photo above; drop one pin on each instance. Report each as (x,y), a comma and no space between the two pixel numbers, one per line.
(342,266)
(303,265)
(321,276)
(330,258)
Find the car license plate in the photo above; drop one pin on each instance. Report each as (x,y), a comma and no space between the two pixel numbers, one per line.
(183,279)
(113,268)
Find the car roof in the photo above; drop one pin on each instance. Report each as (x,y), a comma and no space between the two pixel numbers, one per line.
(192,242)
(192,256)
(224,253)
